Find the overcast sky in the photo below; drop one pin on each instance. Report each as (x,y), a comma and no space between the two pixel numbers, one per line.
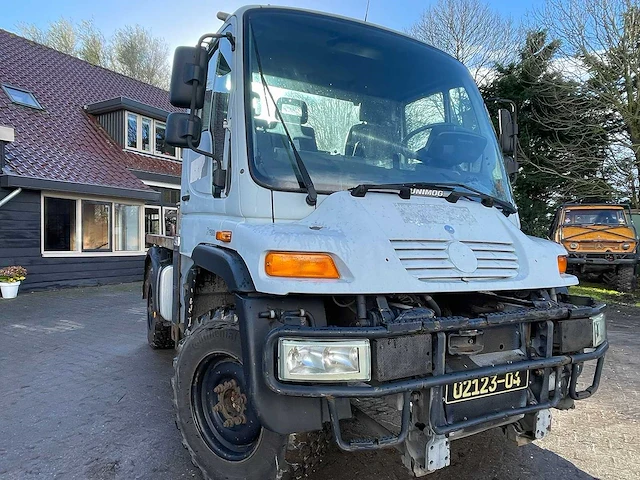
(181,22)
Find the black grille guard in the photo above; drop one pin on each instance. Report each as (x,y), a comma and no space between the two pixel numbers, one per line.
(439,378)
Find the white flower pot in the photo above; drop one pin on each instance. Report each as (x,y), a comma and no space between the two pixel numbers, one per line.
(9,290)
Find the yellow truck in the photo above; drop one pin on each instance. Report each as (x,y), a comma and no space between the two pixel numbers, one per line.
(601,242)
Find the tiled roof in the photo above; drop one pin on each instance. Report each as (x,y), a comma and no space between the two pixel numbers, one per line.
(62,142)
(148,163)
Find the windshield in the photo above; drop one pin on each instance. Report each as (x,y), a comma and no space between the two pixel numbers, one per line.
(362,105)
(603,216)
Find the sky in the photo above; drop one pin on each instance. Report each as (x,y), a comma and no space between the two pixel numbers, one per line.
(182,22)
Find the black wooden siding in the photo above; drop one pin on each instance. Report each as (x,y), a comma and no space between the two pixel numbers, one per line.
(113,123)
(20,245)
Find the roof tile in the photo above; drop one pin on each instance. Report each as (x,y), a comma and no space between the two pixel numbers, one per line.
(62,142)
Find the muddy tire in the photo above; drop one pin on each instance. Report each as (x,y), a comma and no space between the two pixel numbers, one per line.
(158,330)
(626,280)
(219,427)
(209,358)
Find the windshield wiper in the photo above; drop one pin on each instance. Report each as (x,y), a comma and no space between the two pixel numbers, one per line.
(362,189)
(305,178)
(486,199)
(404,191)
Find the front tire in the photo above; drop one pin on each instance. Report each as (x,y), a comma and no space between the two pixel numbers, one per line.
(626,280)
(218,425)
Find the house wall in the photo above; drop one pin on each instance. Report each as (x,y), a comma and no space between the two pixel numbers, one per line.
(20,245)
(113,123)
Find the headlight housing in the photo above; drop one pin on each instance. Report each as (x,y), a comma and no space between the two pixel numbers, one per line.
(300,265)
(562,264)
(626,246)
(324,360)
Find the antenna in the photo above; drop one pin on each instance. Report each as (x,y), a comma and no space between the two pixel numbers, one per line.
(366,12)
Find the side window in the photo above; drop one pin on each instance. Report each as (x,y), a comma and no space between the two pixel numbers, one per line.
(462,112)
(424,111)
(214,116)
(217,95)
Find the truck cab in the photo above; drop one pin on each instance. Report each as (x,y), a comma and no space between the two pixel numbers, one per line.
(601,242)
(347,231)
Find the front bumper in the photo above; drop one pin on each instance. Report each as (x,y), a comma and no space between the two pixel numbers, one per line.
(438,328)
(602,259)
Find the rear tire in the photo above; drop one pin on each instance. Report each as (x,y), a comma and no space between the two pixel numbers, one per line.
(626,280)
(158,332)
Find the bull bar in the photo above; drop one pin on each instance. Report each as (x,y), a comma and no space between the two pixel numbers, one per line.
(438,379)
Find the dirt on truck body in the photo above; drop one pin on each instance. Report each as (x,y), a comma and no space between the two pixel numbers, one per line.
(601,242)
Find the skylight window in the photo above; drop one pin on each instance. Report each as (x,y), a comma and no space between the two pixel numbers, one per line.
(22,97)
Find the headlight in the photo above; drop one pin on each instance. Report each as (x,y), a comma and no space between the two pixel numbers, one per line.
(573,245)
(626,246)
(599,329)
(324,360)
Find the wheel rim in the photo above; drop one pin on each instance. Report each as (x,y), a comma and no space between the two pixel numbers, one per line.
(226,422)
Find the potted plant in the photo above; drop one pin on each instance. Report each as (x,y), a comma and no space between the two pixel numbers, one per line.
(10,278)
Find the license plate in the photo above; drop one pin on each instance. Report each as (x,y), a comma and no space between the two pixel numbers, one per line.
(486,386)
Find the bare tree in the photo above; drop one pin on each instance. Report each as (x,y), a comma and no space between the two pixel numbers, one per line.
(602,52)
(60,35)
(470,31)
(133,50)
(93,46)
(138,54)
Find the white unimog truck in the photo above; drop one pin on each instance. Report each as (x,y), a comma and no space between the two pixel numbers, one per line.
(348,237)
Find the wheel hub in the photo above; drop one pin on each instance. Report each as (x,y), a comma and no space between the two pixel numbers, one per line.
(232,403)
(222,412)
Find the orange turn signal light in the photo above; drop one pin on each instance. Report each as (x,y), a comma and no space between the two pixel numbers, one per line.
(562,264)
(300,265)
(223,236)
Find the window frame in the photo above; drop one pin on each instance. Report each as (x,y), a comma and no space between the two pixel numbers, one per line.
(7,87)
(152,136)
(79,252)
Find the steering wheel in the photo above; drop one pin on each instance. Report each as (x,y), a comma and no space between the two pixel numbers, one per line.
(420,154)
(424,128)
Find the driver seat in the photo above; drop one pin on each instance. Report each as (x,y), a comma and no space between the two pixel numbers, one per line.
(375,136)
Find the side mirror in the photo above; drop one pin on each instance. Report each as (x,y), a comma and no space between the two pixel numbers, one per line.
(511,165)
(180,127)
(508,131)
(189,66)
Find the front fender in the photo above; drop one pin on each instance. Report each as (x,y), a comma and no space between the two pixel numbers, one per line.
(157,258)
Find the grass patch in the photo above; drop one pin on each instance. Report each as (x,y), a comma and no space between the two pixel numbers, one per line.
(603,294)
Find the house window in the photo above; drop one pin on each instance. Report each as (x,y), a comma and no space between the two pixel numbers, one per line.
(170,216)
(127,227)
(59,224)
(22,97)
(163,148)
(152,223)
(163,219)
(132,130)
(94,227)
(148,135)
